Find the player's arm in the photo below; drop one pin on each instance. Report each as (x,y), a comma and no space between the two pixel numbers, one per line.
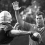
(18,33)
(18,18)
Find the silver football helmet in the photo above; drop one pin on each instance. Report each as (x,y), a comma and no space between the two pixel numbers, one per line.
(5,17)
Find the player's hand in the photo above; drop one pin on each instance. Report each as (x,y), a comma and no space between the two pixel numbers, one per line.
(16,5)
(37,37)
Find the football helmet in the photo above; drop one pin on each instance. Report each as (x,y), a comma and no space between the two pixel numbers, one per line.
(5,17)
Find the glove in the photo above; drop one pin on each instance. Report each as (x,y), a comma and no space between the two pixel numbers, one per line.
(36,37)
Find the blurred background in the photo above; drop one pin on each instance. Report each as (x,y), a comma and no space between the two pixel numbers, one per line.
(33,5)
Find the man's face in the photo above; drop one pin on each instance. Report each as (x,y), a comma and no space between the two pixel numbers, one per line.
(39,20)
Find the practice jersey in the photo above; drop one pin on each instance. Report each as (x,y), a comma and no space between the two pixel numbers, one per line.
(4,36)
(24,39)
(19,27)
